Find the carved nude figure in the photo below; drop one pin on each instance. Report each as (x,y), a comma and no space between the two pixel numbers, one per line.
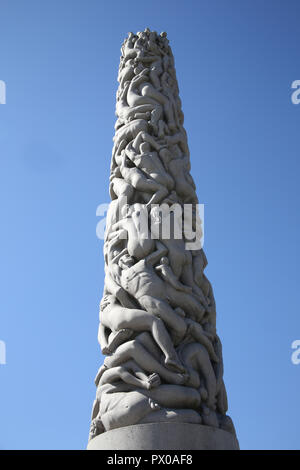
(127,113)
(114,410)
(151,191)
(125,134)
(126,73)
(163,357)
(134,350)
(149,162)
(179,257)
(116,317)
(117,406)
(178,168)
(130,373)
(204,337)
(197,360)
(119,188)
(168,275)
(142,92)
(141,281)
(109,340)
(133,229)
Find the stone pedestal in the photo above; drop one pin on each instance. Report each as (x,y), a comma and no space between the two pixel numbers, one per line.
(165,436)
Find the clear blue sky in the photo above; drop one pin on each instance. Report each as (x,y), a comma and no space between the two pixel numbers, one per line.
(235,64)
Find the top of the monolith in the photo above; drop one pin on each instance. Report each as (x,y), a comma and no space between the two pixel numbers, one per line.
(155,43)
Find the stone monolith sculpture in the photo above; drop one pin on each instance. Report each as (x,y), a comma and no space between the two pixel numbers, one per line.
(161,384)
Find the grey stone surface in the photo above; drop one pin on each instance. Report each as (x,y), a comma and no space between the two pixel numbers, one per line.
(158,315)
(165,436)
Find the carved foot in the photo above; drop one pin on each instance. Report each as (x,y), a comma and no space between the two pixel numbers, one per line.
(100,372)
(117,338)
(180,312)
(174,365)
(181,379)
(96,428)
(153,381)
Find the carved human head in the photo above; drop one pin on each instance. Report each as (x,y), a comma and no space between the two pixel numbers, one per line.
(126,261)
(165,154)
(145,147)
